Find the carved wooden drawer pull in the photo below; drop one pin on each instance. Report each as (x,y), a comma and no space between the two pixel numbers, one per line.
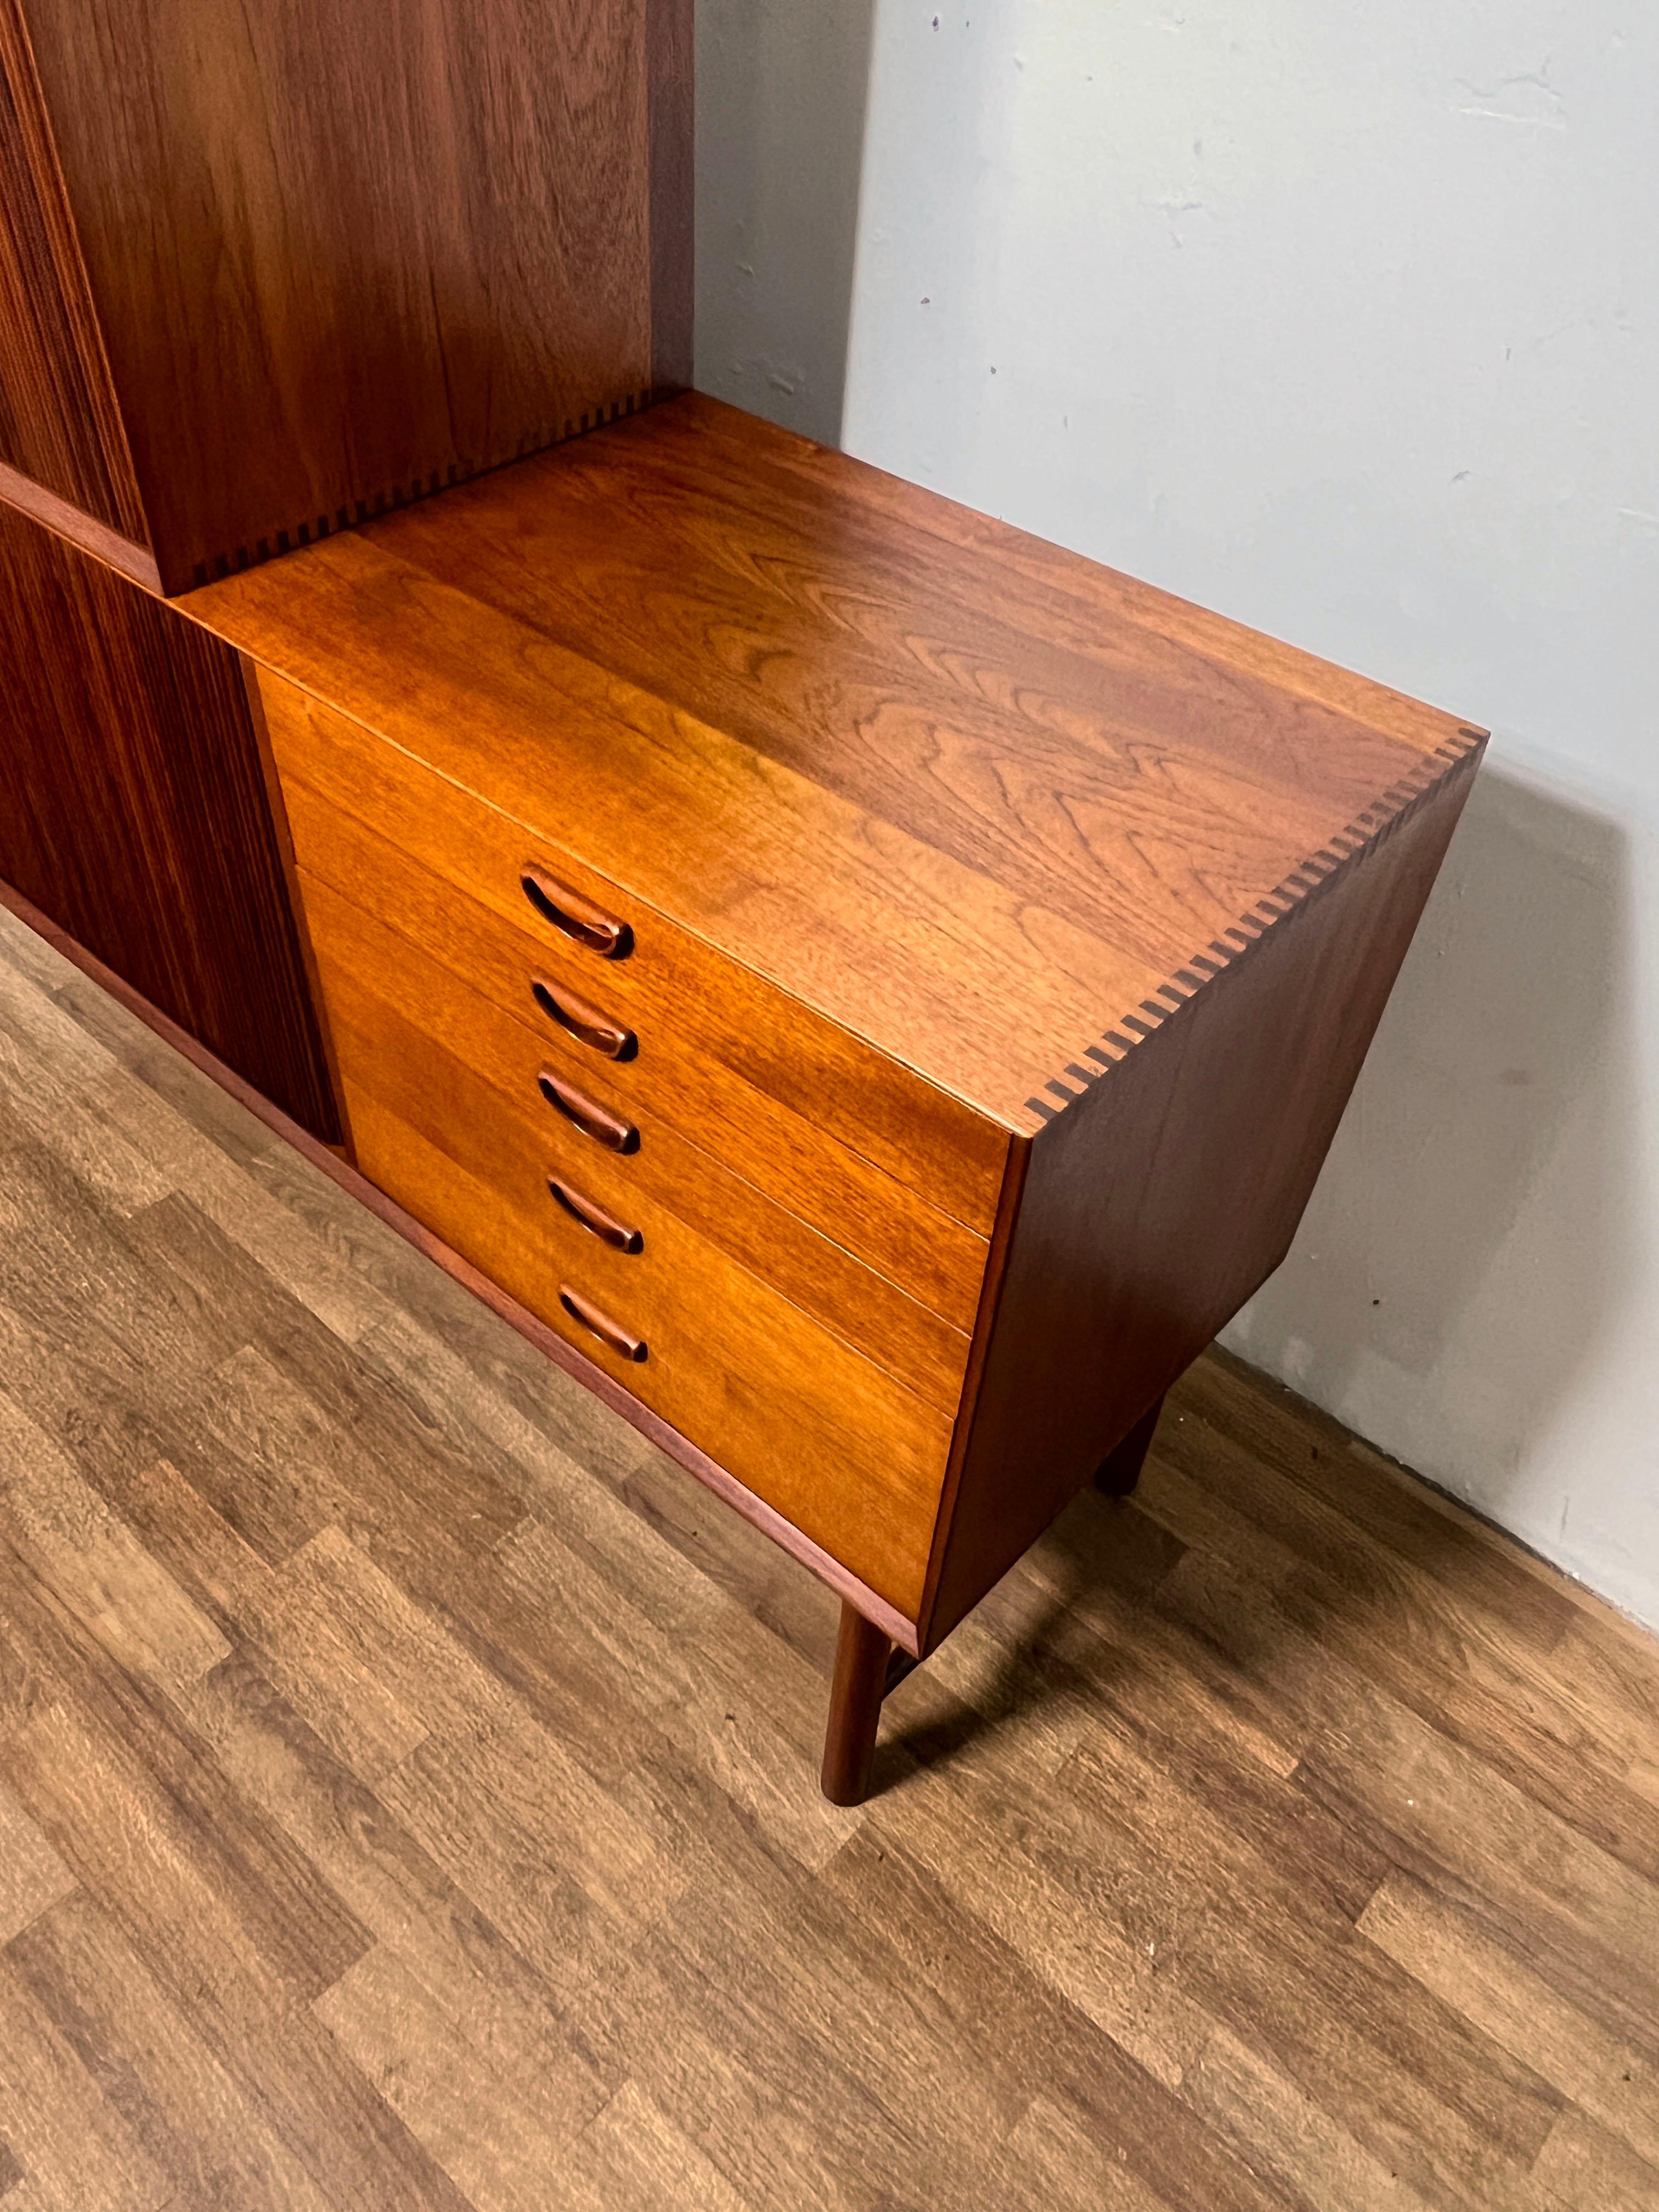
(584,1022)
(575,916)
(587,1114)
(592,1217)
(608,1331)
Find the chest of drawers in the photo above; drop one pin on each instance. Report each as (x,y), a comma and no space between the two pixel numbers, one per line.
(877,988)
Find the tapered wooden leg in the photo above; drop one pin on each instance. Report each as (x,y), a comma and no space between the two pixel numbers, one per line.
(1119,1472)
(862,1653)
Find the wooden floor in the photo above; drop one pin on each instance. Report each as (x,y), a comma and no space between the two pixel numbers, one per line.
(407,1778)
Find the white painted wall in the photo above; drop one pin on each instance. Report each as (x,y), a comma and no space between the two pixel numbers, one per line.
(1345,321)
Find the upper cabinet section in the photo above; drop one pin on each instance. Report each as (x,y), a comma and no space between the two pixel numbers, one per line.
(265,272)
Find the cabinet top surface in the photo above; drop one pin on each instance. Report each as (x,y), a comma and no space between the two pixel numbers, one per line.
(993,807)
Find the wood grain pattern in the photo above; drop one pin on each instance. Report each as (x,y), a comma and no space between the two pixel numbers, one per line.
(338,261)
(60,421)
(1116,889)
(1443,772)
(367,961)
(134,810)
(850,1456)
(980,802)
(800,1187)
(1258,1889)
(355,803)
(28,496)
(1161,1199)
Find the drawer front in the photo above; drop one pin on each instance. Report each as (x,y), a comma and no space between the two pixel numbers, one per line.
(374,975)
(841,1450)
(678,995)
(929,1257)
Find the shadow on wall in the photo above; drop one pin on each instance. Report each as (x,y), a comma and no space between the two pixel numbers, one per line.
(1470,1236)
(782,87)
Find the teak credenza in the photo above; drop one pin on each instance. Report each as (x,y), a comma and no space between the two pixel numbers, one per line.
(873,989)
(868,991)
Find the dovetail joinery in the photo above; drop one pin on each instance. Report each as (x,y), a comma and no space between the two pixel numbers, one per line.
(420,486)
(1306,881)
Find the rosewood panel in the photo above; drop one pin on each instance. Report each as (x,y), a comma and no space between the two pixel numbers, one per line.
(343,256)
(133,811)
(60,425)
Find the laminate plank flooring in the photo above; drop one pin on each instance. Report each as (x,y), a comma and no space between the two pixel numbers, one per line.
(407,1783)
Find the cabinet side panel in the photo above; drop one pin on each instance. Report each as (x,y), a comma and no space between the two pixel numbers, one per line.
(669,50)
(282,831)
(133,812)
(60,422)
(343,255)
(1161,1199)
